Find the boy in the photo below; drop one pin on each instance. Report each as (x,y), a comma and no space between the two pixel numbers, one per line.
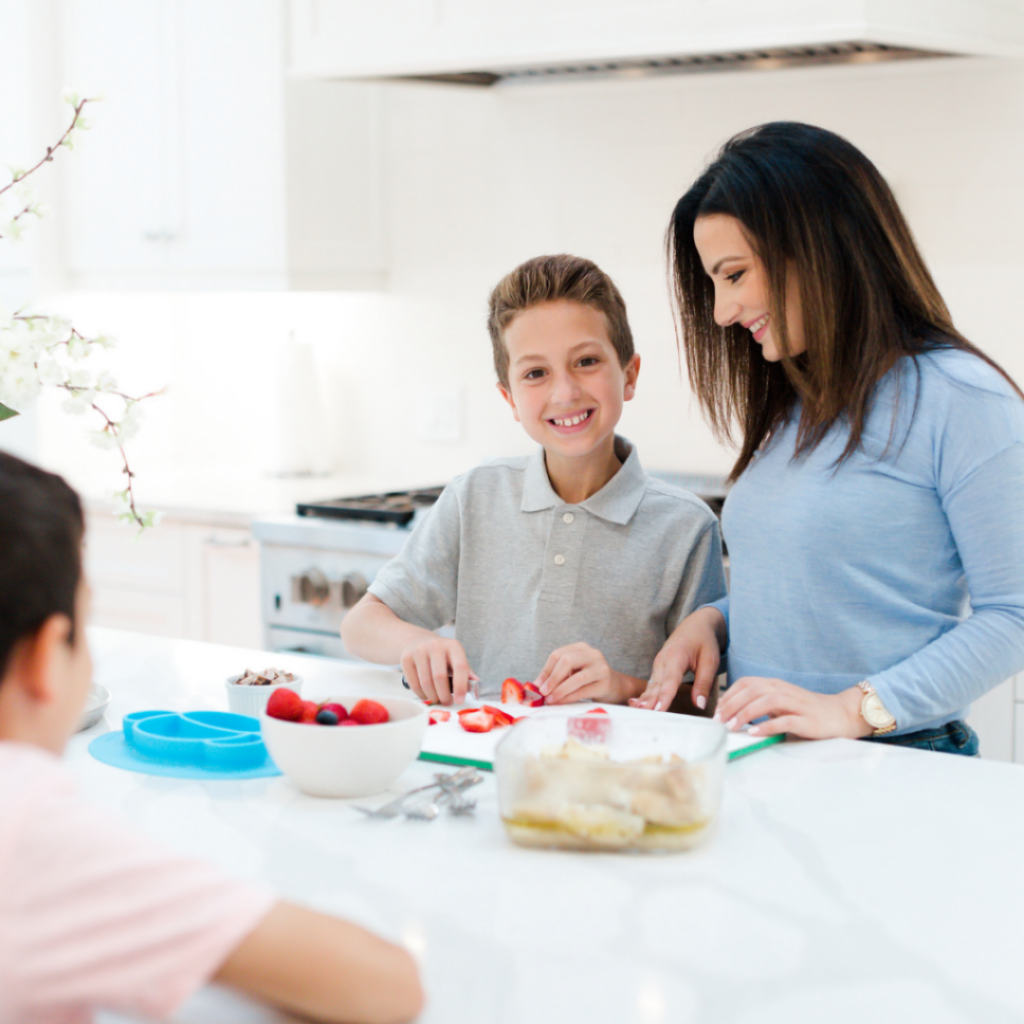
(570,567)
(91,914)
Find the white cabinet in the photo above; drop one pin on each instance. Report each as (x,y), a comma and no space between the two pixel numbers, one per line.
(16,141)
(202,169)
(181,580)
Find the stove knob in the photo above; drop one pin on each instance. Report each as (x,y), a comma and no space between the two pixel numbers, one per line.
(312,587)
(353,587)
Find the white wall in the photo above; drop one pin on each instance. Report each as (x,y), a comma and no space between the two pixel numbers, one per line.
(482,179)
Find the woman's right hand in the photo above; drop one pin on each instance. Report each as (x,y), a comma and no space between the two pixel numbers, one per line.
(694,645)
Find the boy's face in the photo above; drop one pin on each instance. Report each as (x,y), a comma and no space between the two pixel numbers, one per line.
(566,386)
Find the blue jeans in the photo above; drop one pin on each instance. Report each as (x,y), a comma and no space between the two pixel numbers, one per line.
(951,738)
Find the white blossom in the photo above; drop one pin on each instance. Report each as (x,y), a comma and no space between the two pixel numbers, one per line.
(105,341)
(79,378)
(14,343)
(106,381)
(41,340)
(78,348)
(26,194)
(50,371)
(78,403)
(13,230)
(58,324)
(129,425)
(105,438)
(6,318)
(19,384)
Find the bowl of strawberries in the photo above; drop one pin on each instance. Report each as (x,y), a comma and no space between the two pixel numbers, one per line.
(349,746)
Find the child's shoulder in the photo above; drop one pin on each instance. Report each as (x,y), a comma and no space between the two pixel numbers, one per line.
(486,474)
(664,499)
(24,769)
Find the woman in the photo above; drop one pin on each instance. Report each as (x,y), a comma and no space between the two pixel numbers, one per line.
(876,523)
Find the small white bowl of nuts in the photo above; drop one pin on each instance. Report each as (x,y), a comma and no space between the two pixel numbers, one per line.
(249,692)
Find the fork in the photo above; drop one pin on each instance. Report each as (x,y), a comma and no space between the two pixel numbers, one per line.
(450,797)
(455,780)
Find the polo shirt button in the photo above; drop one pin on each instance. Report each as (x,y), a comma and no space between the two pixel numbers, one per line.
(568,517)
(559,559)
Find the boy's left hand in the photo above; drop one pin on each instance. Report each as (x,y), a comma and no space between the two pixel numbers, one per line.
(580,672)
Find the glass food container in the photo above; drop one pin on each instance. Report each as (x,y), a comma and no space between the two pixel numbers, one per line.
(631,781)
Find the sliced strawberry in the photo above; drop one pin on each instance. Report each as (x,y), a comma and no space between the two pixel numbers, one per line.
(500,717)
(590,728)
(438,716)
(596,711)
(512,692)
(286,704)
(477,721)
(532,696)
(369,712)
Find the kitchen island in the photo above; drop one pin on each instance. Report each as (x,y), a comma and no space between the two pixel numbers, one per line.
(846,881)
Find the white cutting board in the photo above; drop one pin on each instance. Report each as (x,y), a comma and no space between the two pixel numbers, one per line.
(448,743)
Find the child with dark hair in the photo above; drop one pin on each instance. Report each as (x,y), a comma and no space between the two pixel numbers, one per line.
(92,914)
(571,567)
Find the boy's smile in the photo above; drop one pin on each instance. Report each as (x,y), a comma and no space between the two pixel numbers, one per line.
(567,388)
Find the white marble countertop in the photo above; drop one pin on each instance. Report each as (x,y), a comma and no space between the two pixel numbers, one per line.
(845,882)
(233,498)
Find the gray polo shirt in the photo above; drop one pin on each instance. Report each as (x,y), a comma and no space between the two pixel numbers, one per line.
(522,573)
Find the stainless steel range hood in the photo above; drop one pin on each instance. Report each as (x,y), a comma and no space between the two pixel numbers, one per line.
(488,42)
(701,63)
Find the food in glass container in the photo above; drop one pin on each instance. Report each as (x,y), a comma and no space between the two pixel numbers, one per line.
(630,789)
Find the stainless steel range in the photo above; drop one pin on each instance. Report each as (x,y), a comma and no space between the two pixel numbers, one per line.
(317,564)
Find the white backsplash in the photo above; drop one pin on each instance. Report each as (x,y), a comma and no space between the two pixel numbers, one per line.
(482,179)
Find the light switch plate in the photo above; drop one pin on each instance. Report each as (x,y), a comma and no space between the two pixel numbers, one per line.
(439,415)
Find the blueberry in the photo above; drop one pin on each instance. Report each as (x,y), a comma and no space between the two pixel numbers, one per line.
(326,717)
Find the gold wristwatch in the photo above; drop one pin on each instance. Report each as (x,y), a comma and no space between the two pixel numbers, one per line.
(874,712)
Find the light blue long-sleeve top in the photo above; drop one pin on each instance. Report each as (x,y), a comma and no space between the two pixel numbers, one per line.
(903,566)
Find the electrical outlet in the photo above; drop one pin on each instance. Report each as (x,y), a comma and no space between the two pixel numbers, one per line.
(440,415)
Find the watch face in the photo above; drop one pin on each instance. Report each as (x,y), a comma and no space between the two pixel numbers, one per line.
(875,713)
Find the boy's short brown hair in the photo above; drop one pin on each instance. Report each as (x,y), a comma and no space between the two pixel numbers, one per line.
(546,279)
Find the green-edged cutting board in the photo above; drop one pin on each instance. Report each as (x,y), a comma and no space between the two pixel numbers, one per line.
(448,743)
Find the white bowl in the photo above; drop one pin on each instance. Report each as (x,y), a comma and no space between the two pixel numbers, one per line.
(347,761)
(95,704)
(252,700)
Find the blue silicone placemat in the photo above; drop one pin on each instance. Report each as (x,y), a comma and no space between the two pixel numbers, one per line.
(178,745)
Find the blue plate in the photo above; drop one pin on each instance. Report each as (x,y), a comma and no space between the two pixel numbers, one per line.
(190,745)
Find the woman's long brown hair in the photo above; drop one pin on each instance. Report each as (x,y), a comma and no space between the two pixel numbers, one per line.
(806,199)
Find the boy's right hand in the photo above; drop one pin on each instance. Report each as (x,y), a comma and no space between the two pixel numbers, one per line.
(436,669)
(694,645)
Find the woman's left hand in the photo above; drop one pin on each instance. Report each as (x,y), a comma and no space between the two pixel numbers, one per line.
(791,709)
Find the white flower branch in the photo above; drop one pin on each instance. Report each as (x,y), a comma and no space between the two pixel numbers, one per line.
(39,351)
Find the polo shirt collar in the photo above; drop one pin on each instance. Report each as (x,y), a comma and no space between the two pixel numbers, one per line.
(615,502)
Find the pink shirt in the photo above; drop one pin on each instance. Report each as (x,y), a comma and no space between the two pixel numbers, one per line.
(92,914)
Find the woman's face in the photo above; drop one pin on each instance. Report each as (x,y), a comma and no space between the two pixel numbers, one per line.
(741,285)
